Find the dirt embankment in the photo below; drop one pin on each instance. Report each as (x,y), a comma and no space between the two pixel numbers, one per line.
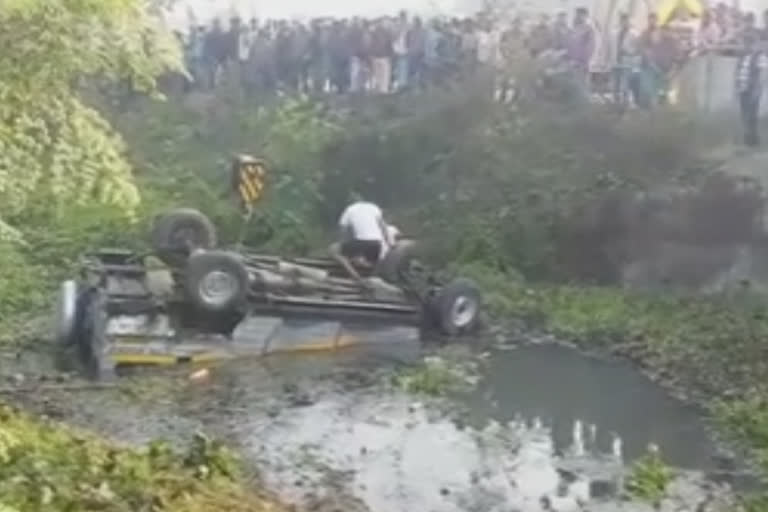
(708,235)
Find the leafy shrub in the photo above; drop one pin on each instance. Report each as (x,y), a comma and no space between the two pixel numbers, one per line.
(78,229)
(747,421)
(55,150)
(46,466)
(23,284)
(649,478)
(437,376)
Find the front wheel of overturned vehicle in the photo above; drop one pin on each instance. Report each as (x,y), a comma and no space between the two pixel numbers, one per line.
(177,233)
(216,281)
(457,307)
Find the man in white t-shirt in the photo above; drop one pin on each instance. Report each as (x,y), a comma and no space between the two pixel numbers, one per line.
(365,237)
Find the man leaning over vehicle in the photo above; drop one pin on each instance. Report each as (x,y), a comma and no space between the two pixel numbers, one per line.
(364,237)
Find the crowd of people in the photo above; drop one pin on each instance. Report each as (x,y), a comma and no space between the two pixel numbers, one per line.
(380,55)
(403,52)
(646,63)
(645,60)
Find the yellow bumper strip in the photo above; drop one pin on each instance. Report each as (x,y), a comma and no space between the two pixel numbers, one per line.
(167,360)
(326,345)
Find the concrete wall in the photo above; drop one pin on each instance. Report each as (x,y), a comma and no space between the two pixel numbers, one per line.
(707,84)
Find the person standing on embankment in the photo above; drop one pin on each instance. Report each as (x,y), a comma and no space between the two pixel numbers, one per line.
(750,82)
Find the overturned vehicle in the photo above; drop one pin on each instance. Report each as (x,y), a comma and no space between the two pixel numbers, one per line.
(190,301)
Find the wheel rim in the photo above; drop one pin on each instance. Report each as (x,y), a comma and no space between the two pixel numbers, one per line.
(464,311)
(217,288)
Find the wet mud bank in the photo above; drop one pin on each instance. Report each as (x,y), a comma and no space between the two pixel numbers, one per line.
(542,428)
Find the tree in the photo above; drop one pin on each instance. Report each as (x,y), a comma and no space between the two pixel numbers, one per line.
(55,150)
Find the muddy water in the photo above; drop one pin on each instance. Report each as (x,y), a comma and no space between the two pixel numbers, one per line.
(591,405)
(545,429)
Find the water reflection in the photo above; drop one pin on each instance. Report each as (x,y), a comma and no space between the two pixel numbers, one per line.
(399,457)
(591,406)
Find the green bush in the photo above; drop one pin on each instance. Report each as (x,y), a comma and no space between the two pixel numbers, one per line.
(47,466)
(437,376)
(649,478)
(23,284)
(747,421)
(55,149)
(60,240)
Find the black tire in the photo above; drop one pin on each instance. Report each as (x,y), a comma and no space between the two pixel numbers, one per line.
(395,265)
(177,233)
(457,307)
(92,340)
(68,351)
(216,281)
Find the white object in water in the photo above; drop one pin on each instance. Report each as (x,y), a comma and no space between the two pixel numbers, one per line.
(593,434)
(578,438)
(616,447)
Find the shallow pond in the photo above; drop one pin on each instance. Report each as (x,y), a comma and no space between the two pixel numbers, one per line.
(591,405)
(545,428)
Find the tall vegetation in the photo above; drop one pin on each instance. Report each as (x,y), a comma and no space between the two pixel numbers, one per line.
(513,188)
(64,176)
(55,150)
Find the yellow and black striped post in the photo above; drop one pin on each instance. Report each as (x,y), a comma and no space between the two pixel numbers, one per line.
(249,180)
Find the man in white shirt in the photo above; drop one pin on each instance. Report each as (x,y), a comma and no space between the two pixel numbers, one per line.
(364,237)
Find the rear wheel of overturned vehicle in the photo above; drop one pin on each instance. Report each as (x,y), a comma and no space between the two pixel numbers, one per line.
(457,307)
(216,282)
(177,233)
(397,266)
(92,339)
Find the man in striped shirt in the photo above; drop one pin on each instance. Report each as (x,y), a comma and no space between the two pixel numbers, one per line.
(750,82)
